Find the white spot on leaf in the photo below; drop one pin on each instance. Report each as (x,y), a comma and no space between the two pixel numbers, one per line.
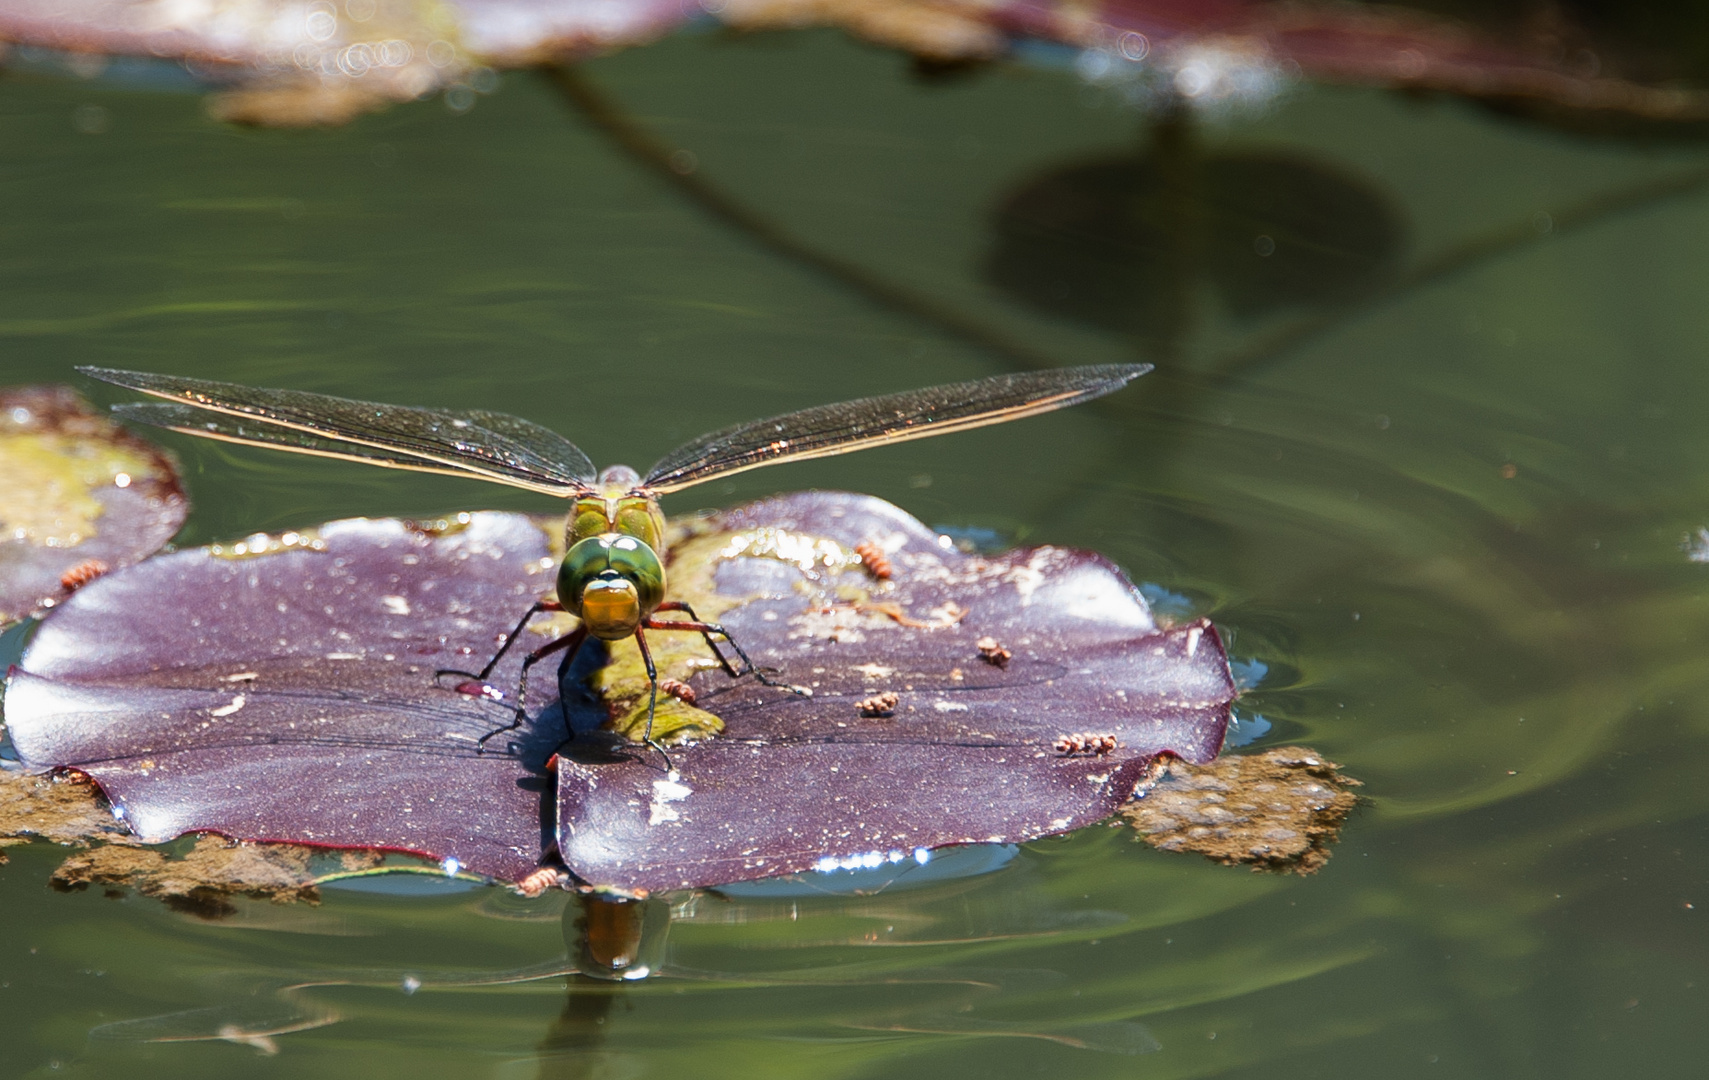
(226,710)
(666,792)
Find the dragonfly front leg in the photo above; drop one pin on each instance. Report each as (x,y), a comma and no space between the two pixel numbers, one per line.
(510,639)
(652,697)
(706,630)
(571,641)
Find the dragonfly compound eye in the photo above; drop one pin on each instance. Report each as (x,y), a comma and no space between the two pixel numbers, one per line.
(611,582)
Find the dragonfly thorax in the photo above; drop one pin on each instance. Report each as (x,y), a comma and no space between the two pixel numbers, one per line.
(617,505)
(612,576)
(611,582)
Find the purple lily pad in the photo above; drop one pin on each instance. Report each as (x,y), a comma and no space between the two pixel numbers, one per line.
(79,496)
(969,751)
(290,695)
(282,689)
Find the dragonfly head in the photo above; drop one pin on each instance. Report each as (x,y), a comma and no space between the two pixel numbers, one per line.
(611,582)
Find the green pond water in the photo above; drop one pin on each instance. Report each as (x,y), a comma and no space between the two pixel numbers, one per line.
(1427,440)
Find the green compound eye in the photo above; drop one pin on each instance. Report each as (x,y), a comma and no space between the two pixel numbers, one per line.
(611,582)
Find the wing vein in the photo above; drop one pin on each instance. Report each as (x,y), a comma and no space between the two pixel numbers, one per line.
(914,414)
(491,446)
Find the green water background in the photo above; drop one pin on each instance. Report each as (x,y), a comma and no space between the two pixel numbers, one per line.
(1449,517)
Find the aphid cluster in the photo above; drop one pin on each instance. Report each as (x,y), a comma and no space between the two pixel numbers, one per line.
(880,704)
(993,653)
(678,689)
(1085,743)
(877,563)
(539,881)
(82,574)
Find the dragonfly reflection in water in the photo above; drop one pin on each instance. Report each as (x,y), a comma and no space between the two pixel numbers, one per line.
(612,578)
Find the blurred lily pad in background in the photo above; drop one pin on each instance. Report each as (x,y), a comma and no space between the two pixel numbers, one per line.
(79,496)
(309,62)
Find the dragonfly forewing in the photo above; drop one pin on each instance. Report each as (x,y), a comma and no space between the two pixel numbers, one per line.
(193,421)
(914,414)
(493,446)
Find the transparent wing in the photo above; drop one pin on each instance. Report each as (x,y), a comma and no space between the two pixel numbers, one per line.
(851,425)
(492,446)
(193,421)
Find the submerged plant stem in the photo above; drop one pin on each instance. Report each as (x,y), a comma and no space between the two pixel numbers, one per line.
(660,158)
(1461,257)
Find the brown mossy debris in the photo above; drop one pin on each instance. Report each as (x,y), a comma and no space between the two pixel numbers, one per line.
(65,809)
(69,809)
(297,106)
(935,31)
(1278,811)
(200,879)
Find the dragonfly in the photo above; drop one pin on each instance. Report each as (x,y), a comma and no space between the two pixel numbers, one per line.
(612,578)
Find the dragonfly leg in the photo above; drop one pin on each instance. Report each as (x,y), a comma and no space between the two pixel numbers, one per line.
(510,639)
(652,696)
(706,630)
(571,641)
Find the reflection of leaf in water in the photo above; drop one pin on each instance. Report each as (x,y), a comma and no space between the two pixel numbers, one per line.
(1095,241)
(1285,231)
